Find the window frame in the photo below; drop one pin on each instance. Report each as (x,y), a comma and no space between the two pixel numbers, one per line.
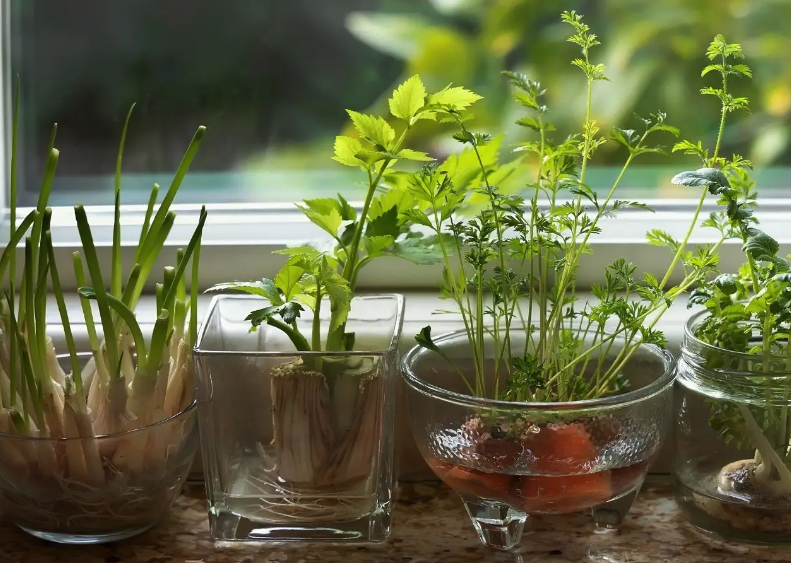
(239,238)
(239,241)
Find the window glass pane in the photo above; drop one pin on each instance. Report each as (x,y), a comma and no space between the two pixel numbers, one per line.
(270,79)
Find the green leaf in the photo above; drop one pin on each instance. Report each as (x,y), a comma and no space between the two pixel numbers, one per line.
(727,283)
(260,316)
(712,178)
(304,250)
(626,137)
(369,158)
(454,98)
(325,206)
(375,246)
(329,222)
(658,237)
(692,149)
(408,99)
(423,338)
(401,198)
(712,68)
(290,311)
(475,139)
(420,250)
(529,122)
(264,288)
(742,70)
(289,276)
(348,213)
(345,150)
(760,246)
(373,128)
(322,205)
(270,291)
(417,217)
(385,224)
(409,154)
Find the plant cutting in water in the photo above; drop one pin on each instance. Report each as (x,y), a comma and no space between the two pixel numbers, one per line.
(749,312)
(327,405)
(511,268)
(131,380)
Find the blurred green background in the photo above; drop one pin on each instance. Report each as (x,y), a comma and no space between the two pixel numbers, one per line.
(271,79)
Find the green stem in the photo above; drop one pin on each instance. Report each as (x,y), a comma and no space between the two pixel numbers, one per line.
(335,339)
(683,246)
(296,338)
(316,328)
(64,315)
(194,295)
(767,368)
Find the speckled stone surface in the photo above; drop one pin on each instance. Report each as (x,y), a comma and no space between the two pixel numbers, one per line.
(430,526)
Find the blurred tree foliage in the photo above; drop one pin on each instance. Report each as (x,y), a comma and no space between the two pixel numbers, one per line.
(271,78)
(653,50)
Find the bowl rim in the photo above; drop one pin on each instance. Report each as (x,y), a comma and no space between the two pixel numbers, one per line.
(391,348)
(659,385)
(689,336)
(116,435)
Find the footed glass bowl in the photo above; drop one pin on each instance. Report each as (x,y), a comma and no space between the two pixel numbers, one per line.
(509,460)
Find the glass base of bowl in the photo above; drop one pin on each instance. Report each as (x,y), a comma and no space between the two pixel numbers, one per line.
(730,520)
(500,526)
(234,526)
(85,539)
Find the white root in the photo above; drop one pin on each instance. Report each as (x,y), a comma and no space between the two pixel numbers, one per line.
(98,387)
(52,405)
(130,455)
(304,432)
(141,397)
(53,365)
(13,460)
(75,458)
(88,376)
(5,387)
(174,394)
(188,377)
(94,392)
(77,410)
(157,405)
(354,457)
(127,351)
(768,456)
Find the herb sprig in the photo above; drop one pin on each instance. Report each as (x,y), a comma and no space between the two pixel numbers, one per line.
(749,311)
(382,228)
(513,265)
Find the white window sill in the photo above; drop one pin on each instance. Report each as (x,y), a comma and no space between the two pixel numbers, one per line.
(420,310)
(238,241)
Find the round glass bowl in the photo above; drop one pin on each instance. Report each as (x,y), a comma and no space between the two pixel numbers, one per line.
(509,460)
(81,491)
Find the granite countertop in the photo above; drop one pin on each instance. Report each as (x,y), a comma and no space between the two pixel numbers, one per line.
(430,526)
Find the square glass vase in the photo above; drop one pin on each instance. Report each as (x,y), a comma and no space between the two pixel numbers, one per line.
(298,445)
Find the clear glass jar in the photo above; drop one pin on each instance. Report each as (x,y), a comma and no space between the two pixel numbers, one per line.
(298,445)
(509,460)
(733,441)
(42,493)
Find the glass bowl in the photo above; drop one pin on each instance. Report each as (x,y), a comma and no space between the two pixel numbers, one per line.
(83,491)
(509,460)
(733,441)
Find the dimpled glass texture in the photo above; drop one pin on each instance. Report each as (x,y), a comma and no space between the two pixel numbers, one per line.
(508,461)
